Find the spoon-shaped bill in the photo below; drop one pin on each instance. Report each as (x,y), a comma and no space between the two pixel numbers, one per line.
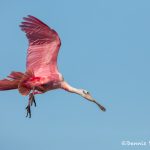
(100,106)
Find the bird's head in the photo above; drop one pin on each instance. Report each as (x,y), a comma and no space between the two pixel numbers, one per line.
(84,93)
(87,95)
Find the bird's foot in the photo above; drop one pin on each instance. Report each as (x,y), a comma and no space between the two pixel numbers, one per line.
(30,103)
(28,111)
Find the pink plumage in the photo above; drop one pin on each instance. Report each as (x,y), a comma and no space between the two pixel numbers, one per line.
(44,44)
(42,72)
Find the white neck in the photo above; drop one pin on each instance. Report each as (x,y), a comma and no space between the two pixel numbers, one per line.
(69,88)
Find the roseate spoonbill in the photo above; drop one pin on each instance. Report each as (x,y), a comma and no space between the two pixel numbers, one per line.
(42,73)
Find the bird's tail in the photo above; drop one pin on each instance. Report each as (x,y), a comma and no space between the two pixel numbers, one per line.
(11,82)
(16,80)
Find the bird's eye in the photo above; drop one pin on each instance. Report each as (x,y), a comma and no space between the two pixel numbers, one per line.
(85,92)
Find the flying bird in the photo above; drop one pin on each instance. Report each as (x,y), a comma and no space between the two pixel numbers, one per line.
(42,72)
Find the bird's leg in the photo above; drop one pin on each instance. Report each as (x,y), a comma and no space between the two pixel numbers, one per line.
(31,96)
(30,102)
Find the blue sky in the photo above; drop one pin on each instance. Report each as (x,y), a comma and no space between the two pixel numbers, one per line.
(106,50)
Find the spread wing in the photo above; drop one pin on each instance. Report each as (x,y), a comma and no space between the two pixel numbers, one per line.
(44,44)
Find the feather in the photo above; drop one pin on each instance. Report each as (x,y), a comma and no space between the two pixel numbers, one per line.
(44,44)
